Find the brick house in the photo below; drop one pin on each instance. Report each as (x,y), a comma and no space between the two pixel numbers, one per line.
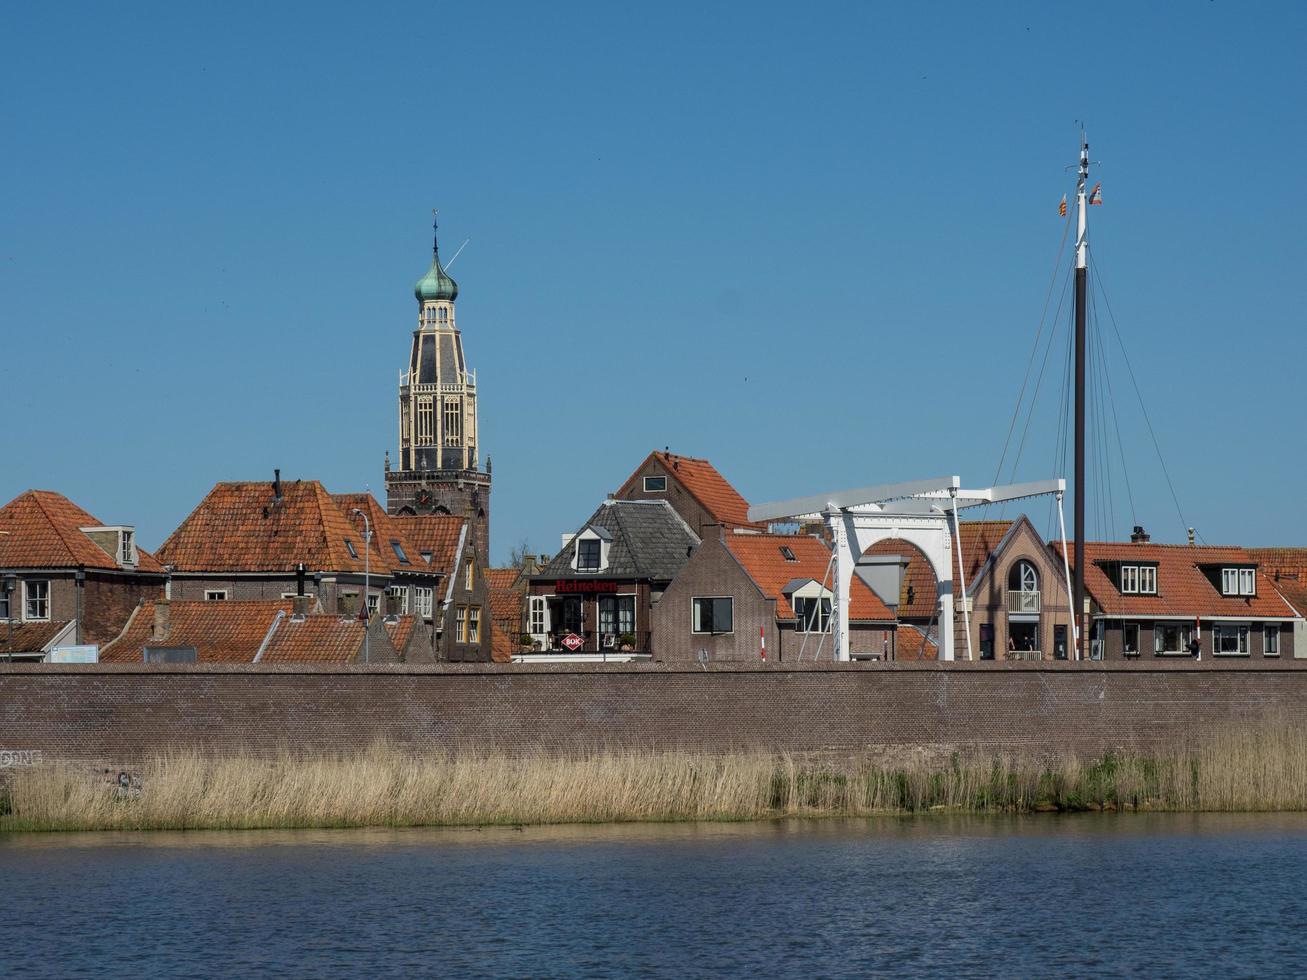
(65,577)
(693,487)
(1152,601)
(1287,568)
(603,584)
(743,589)
(1015,591)
(250,631)
(448,543)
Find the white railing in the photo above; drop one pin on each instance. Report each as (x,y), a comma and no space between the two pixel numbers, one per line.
(1022,602)
(1024,655)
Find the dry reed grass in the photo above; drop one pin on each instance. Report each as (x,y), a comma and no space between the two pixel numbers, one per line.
(1261,769)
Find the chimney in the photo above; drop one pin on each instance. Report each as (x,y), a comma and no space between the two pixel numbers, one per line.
(1140,536)
(299,606)
(393,603)
(347,604)
(299,579)
(276,484)
(162,624)
(1191,537)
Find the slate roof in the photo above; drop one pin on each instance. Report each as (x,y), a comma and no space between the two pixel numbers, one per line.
(243,527)
(221,632)
(1183,590)
(761,558)
(43,530)
(649,541)
(23,637)
(702,481)
(437,534)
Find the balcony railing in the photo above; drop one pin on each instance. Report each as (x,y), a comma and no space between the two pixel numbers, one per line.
(1023,602)
(1024,655)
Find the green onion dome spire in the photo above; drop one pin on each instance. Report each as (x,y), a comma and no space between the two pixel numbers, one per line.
(436,284)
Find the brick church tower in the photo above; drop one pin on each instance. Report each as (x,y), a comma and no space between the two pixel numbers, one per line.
(439,470)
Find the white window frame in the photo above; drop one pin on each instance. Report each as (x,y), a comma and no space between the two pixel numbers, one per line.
(423,600)
(1129,579)
(1270,639)
(126,546)
(1241,639)
(469,574)
(1184,631)
(402,592)
(1248,581)
(215,595)
(655,489)
(1148,580)
(460,624)
(823,617)
(537,617)
(5,602)
(473,624)
(614,597)
(696,616)
(374,604)
(43,600)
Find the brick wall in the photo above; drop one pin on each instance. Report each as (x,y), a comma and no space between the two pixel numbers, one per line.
(125,712)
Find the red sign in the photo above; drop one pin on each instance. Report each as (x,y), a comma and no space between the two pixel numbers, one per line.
(568,586)
(573,642)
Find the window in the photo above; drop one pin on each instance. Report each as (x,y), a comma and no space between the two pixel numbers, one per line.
(655,484)
(587,555)
(1130,639)
(1271,640)
(453,422)
(4,604)
(422,598)
(215,595)
(474,624)
(460,624)
(400,553)
(126,548)
(1171,638)
(1238,581)
(374,603)
(442,315)
(1148,579)
(616,615)
(1129,579)
(713,615)
(537,616)
(1230,639)
(469,574)
(349,546)
(813,614)
(787,553)
(426,422)
(37,600)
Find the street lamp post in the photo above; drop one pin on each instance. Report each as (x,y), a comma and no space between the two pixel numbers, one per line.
(367,577)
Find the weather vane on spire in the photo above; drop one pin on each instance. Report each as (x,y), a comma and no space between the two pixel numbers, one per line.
(435,233)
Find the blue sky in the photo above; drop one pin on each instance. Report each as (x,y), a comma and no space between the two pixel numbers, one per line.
(810,243)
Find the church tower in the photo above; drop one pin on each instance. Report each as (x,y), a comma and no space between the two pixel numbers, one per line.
(439,469)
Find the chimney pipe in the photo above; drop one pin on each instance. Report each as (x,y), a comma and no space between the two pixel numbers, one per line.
(276,484)
(299,606)
(162,624)
(1191,537)
(299,579)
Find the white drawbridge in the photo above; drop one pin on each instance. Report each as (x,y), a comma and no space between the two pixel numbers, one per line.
(924,513)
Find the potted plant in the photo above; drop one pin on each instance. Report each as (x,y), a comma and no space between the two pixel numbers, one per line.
(626,642)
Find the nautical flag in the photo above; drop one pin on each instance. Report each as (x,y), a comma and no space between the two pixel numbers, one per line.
(1061,208)
(1096,195)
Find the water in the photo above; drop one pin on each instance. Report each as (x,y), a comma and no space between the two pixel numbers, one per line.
(1108,894)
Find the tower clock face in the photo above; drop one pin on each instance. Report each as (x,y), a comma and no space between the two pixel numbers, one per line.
(424,499)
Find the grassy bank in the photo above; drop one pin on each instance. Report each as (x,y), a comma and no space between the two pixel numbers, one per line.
(380,786)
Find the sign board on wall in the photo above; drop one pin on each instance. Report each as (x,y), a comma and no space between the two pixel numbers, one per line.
(86,653)
(583,586)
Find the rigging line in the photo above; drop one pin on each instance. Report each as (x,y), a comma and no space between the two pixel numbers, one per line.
(1116,422)
(1048,298)
(1034,399)
(1134,381)
(1105,435)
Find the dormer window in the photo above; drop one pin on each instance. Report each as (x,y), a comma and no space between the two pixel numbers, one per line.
(127,547)
(1239,581)
(588,552)
(1139,579)
(1129,579)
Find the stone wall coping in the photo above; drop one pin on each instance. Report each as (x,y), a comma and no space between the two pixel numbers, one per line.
(520,670)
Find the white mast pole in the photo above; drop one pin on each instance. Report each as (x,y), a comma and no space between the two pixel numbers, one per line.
(962,572)
(1066,568)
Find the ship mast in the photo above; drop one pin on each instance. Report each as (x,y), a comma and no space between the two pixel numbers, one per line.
(1082,275)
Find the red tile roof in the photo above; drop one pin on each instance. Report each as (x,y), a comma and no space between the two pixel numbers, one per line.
(42,529)
(317,638)
(980,540)
(761,557)
(221,632)
(502,578)
(386,529)
(1183,590)
(701,479)
(502,646)
(1294,592)
(29,637)
(911,643)
(436,534)
(243,527)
